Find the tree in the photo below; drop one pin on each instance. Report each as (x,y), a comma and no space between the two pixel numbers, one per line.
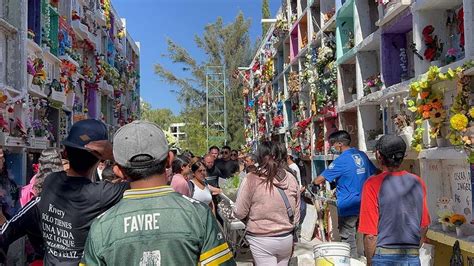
(265,14)
(161,117)
(225,45)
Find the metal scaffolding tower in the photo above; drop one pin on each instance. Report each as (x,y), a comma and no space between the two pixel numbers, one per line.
(216,108)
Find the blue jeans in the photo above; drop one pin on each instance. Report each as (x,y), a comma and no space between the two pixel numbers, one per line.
(395,260)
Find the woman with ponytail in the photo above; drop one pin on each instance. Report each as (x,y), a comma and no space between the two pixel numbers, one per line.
(270,200)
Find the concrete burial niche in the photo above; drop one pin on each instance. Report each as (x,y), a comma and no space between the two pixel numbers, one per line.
(437,14)
(345,28)
(396,39)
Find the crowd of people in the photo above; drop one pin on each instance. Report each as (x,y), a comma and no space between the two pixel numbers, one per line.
(93,201)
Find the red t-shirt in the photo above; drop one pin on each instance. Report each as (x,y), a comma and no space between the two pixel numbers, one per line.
(394,208)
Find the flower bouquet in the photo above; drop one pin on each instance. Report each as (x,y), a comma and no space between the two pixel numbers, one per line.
(462,122)
(372,84)
(451,55)
(39,77)
(434,47)
(38,128)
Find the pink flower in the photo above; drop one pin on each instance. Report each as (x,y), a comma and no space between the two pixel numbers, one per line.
(452,52)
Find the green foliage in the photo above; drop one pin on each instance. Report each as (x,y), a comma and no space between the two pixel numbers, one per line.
(265,14)
(162,117)
(225,45)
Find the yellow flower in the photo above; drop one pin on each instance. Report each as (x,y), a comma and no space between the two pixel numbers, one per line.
(418,147)
(459,122)
(471,112)
(433,72)
(424,84)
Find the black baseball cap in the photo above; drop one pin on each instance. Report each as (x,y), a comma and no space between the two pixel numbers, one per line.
(391,146)
(85,131)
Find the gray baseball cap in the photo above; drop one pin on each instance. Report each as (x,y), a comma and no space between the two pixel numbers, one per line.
(140,144)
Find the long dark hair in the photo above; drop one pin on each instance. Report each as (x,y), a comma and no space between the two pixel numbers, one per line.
(272,161)
(178,164)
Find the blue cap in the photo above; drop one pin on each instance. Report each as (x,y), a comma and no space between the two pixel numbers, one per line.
(85,131)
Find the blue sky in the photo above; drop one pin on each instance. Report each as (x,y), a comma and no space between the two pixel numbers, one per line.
(151,21)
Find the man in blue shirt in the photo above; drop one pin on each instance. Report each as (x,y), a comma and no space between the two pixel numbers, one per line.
(350,171)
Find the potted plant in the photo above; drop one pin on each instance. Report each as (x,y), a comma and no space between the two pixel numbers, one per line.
(434,47)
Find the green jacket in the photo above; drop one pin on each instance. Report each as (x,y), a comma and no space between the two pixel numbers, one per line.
(156,226)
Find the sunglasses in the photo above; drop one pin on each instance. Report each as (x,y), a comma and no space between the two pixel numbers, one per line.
(224,152)
(233,154)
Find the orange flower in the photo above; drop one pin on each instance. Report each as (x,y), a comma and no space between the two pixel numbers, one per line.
(426,114)
(437,105)
(424,95)
(420,109)
(426,107)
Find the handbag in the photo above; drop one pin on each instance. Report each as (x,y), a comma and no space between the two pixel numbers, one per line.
(290,213)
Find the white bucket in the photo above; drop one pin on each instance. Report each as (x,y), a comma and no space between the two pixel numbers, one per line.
(332,254)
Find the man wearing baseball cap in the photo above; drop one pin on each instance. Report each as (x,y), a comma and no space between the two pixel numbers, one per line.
(152,223)
(69,201)
(394,215)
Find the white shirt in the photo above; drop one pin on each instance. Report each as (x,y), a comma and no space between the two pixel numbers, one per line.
(203,195)
(295,168)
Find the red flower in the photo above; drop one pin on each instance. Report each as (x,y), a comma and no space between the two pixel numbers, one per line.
(461,27)
(430,54)
(428,39)
(428,30)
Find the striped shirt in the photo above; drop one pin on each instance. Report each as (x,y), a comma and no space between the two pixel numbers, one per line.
(156,226)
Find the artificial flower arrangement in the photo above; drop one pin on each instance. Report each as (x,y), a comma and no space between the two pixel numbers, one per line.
(38,128)
(105,4)
(462,122)
(87,71)
(427,104)
(294,82)
(281,25)
(309,74)
(278,121)
(451,55)
(267,71)
(434,48)
(326,85)
(328,15)
(121,33)
(304,41)
(372,84)
(39,76)
(294,18)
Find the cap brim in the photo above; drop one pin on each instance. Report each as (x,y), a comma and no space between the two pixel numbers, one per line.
(73,145)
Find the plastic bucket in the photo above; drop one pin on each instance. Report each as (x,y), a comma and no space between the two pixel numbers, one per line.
(332,254)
